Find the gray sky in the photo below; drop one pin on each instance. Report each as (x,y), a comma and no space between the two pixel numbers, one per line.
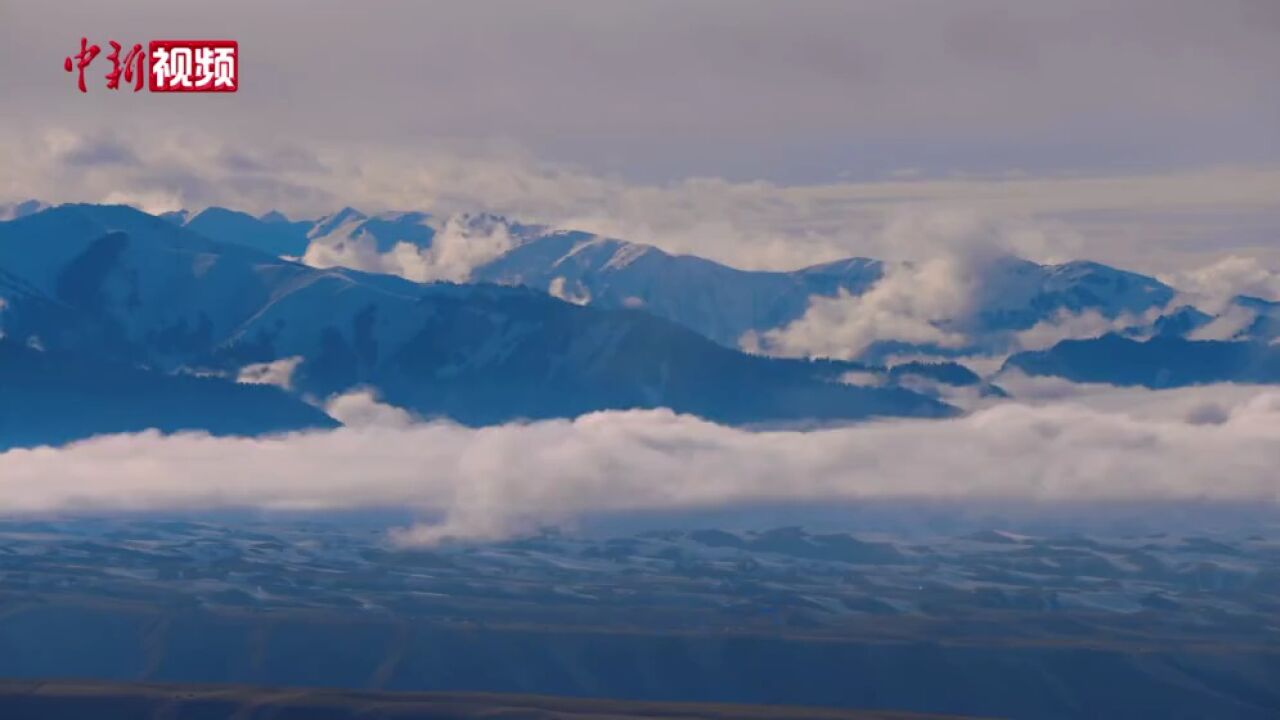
(600,111)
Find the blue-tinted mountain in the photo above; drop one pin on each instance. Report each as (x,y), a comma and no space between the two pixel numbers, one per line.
(1018,293)
(1161,362)
(52,397)
(275,217)
(112,282)
(948,373)
(724,303)
(278,237)
(1181,321)
(382,232)
(718,301)
(1266,318)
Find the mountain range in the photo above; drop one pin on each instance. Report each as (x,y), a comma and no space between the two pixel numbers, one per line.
(550,323)
(110,284)
(724,303)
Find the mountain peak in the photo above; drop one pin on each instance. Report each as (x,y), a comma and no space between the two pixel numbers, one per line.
(329,223)
(273,216)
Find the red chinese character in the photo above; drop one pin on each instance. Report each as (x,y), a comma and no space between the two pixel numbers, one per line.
(86,55)
(131,66)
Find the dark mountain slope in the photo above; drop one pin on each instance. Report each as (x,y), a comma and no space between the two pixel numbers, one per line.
(1160,362)
(56,397)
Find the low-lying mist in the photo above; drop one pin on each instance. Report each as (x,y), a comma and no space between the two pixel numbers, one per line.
(1208,447)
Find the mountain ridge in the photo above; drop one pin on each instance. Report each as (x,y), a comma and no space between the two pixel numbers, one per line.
(719,301)
(128,287)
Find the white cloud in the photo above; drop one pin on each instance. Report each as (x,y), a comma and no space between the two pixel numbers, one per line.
(1225,326)
(926,302)
(580,296)
(1154,222)
(1048,388)
(901,306)
(277,372)
(151,201)
(1228,277)
(1069,325)
(458,248)
(363,409)
(490,482)
(862,379)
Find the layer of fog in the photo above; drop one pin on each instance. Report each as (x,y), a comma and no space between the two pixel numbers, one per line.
(1202,445)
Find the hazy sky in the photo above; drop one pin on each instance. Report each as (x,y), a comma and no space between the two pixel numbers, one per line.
(606,111)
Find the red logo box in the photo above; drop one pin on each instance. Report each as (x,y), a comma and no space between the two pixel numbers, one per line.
(194,65)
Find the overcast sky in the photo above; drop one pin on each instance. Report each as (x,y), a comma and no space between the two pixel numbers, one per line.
(605,113)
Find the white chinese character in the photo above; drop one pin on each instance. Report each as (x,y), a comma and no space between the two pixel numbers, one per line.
(224,67)
(203,67)
(171,67)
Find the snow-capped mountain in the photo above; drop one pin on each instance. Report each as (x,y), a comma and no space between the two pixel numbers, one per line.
(212,290)
(716,300)
(114,283)
(723,303)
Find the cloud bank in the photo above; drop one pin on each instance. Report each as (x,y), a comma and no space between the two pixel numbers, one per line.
(1158,222)
(492,482)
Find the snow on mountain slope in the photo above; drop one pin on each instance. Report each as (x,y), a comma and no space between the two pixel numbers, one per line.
(208,300)
(1005,297)
(143,282)
(716,300)
(144,290)
(727,304)
(413,245)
